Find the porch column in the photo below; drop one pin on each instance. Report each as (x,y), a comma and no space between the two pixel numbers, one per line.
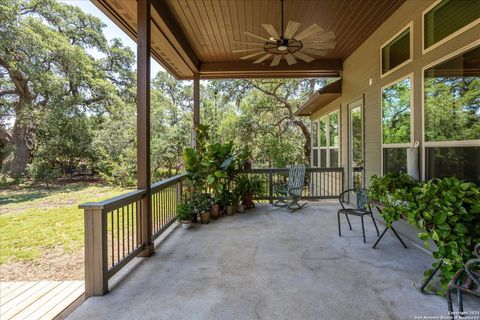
(143,122)
(196,107)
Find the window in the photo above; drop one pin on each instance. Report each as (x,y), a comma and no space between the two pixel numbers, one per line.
(447,17)
(452,117)
(394,160)
(397,51)
(326,137)
(396,124)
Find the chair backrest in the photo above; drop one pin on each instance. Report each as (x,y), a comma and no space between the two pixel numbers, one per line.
(296,176)
(360,196)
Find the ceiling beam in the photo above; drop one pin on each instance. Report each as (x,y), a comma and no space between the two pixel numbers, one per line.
(172,31)
(247,69)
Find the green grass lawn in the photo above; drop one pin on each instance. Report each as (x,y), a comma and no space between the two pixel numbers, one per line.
(34,220)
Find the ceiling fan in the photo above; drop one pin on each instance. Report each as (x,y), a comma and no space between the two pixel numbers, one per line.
(289,44)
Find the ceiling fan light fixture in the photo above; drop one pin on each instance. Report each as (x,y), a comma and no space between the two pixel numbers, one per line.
(288,44)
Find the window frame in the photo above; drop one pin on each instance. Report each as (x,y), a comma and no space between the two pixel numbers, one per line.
(447,38)
(427,144)
(327,148)
(410,59)
(404,145)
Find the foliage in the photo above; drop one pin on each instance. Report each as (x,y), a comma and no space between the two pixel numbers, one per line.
(225,199)
(200,202)
(391,191)
(185,211)
(248,185)
(52,88)
(447,211)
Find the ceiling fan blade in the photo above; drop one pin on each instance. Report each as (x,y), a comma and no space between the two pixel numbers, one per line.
(245,50)
(315,52)
(323,36)
(252,55)
(320,45)
(290,59)
(276,60)
(250,43)
(291,29)
(265,57)
(256,36)
(271,31)
(303,56)
(314,28)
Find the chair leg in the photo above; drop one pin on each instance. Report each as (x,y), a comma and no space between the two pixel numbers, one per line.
(349,224)
(363,229)
(375,224)
(339,228)
(450,304)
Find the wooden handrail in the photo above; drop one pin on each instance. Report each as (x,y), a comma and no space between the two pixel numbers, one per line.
(167,182)
(115,202)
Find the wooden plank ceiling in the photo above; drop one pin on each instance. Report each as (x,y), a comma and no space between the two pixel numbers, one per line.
(190,36)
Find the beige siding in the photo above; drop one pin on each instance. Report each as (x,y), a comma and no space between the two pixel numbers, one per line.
(364,64)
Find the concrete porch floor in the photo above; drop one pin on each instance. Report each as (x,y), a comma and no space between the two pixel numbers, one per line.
(270,264)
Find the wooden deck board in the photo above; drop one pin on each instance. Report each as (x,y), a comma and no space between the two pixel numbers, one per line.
(37,299)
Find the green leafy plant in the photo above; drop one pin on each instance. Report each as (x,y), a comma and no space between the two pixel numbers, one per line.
(185,211)
(248,185)
(447,211)
(200,202)
(392,191)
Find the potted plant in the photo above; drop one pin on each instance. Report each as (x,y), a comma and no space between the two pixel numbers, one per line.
(226,202)
(248,187)
(201,206)
(185,214)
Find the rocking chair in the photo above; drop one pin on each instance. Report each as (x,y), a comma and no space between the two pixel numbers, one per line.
(290,193)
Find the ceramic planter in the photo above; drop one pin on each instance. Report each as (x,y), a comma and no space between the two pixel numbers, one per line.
(186,224)
(248,201)
(241,208)
(215,211)
(230,210)
(205,217)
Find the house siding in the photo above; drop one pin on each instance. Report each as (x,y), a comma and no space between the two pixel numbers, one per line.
(364,64)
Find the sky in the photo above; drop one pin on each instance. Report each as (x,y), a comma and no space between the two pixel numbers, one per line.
(111,30)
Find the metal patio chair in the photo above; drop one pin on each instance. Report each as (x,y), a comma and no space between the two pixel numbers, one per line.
(456,283)
(362,209)
(290,193)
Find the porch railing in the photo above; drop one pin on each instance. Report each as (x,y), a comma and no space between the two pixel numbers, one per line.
(114,234)
(320,183)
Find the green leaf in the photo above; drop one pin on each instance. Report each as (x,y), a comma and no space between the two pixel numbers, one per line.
(423,236)
(441,218)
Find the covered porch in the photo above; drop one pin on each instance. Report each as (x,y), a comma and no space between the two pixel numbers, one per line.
(271,264)
(266,263)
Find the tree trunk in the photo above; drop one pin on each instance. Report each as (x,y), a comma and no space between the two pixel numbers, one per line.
(308,139)
(21,150)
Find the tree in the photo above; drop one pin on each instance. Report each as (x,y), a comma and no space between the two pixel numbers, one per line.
(46,69)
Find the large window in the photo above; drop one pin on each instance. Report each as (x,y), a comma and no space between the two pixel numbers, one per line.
(396,124)
(452,117)
(396,52)
(446,17)
(326,137)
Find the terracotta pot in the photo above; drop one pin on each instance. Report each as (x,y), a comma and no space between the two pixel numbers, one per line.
(186,224)
(241,208)
(215,211)
(230,210)
(205,217)
(248,201)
